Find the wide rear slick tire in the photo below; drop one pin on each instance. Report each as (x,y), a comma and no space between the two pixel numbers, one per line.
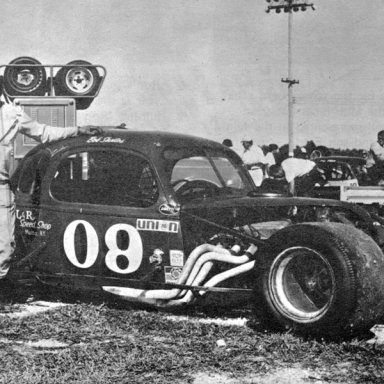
(320,279)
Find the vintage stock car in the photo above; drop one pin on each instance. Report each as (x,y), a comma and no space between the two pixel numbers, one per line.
(170,220)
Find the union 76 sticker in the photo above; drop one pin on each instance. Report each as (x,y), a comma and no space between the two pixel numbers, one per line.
(157,225)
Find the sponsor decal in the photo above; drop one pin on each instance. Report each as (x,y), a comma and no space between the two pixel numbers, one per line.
(157,225)
(167,209)
(172,274)
(30,224)
(176,258)
(106,139)
(156,257)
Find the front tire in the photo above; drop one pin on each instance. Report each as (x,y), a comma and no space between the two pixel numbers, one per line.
(322,279)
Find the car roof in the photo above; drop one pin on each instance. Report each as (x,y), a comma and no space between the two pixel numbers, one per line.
(143,141)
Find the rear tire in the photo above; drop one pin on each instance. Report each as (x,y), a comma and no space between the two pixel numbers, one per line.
(320,279)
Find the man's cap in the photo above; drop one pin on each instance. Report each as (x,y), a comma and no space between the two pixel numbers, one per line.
(246,139)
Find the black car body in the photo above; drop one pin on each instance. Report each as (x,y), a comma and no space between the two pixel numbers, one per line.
(171,220)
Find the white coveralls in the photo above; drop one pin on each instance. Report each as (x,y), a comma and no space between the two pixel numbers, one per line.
(254,155)
(295,167)
(378,151)
(40,132)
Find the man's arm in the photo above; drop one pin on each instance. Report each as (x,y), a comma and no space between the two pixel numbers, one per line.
(45,133)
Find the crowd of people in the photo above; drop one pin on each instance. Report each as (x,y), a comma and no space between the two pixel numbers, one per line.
(272,170)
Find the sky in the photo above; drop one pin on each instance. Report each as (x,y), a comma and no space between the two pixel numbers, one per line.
(213,68)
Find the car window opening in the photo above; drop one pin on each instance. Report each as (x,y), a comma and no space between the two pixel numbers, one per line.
(105,178)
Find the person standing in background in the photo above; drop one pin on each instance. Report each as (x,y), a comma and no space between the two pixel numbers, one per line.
(253,157)
(376,159)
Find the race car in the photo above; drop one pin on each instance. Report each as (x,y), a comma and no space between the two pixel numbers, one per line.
(171,220)
(338,171)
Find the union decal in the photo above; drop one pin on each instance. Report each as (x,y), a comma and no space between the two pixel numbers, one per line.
(157,225)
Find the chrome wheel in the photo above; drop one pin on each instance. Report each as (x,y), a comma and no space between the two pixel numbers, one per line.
(302,284)
(79,80)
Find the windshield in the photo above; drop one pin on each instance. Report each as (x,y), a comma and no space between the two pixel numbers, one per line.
(200,173)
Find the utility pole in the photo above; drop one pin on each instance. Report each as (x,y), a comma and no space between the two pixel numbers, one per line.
(289,6)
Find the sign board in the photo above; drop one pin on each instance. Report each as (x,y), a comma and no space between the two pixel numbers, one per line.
(54,111)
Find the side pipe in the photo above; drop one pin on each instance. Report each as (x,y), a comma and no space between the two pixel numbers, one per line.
(194,271)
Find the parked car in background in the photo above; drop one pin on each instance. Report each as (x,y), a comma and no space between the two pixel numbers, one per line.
(339,171)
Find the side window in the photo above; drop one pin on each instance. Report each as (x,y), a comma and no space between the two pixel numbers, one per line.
(105,177)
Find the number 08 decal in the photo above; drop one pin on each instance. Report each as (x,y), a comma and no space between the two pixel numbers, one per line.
(133,253)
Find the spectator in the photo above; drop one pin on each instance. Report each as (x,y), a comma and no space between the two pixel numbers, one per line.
(304,184)
(301,153)
(315,154)
(270,156)
(376,167)
(297,166)
(253,157)
(325,151)
(283,153)
(276,182)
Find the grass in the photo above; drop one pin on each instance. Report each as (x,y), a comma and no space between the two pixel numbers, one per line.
(108,344)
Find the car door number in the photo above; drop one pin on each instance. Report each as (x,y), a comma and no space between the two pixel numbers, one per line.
(133,253)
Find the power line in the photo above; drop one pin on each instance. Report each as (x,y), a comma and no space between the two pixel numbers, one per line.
(289,6)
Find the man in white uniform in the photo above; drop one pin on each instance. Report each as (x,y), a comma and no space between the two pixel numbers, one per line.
(377,148)
(40,132)
(376,161)
(296,167)
(253,157)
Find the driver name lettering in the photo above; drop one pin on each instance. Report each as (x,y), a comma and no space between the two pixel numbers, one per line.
(157,225)
(107,139)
